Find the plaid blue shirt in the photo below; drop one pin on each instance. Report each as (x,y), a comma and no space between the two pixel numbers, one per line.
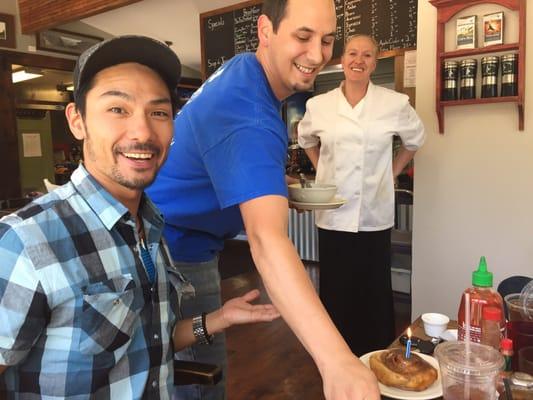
(79,318)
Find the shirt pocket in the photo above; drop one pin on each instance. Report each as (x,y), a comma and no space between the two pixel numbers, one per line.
(109,314)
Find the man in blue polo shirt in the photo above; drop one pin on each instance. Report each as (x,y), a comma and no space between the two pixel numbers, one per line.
(226,170)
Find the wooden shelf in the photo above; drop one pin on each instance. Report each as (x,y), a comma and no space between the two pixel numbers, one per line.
(446,9)
(487,100)
(482,50)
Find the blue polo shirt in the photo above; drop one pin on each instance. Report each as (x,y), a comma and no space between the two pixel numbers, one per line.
(229,146)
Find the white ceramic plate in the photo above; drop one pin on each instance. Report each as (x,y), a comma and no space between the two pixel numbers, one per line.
(431,392)
(335,203)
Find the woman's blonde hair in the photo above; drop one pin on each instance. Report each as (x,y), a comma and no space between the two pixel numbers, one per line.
(361,35)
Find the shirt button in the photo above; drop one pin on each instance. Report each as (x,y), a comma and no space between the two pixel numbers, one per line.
(152,289)
(154,384)
(156,336)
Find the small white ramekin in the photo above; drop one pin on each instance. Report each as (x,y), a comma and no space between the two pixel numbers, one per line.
(435,323)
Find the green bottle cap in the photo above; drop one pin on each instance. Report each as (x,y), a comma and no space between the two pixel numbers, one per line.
(482,277)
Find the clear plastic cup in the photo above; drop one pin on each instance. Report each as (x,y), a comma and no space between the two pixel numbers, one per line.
(468,379)
(520,325)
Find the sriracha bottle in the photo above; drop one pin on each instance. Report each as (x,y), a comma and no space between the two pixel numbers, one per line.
(481,294)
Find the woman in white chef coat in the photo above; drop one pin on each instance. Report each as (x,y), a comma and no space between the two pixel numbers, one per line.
(347,134)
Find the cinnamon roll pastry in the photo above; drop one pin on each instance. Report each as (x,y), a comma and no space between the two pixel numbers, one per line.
(392,368)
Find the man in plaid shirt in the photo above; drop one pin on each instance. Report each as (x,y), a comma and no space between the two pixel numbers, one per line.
(88,292)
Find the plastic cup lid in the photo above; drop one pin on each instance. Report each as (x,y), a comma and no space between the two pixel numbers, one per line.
(482,360)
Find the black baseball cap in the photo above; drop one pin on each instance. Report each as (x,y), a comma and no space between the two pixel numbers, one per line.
(129,48)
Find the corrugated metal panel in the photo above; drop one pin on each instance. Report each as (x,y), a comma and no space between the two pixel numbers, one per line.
(304,234)
(404,217)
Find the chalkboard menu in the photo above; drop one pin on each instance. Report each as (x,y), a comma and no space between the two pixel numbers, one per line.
(233,30)
(226,32)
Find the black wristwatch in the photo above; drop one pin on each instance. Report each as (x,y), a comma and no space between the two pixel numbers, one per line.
(200,331)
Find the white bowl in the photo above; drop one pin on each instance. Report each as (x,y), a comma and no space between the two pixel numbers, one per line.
(317,193)
(435,324)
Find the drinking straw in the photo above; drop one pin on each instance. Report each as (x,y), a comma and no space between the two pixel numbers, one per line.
(467,344)
(467,322)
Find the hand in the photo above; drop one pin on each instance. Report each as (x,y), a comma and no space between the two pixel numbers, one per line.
(349,379)
(239,311)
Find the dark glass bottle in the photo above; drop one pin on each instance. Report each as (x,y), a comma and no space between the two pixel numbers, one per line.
(509,75)
(468,78)
(489,76)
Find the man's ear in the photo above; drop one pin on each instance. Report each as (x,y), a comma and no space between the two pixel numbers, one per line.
(264,30)
(75,121)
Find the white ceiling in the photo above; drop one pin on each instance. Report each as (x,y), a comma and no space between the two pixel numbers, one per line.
(175,20)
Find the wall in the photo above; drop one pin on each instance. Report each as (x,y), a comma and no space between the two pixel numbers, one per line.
(473,187)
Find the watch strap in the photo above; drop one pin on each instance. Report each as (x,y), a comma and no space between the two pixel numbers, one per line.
(199,330)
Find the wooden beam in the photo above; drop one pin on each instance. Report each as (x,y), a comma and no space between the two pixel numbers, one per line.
(37,15)
(9,152)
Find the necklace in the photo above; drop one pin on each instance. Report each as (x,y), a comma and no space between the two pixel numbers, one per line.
(145,254)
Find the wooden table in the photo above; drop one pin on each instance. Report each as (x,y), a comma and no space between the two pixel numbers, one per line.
(266,361)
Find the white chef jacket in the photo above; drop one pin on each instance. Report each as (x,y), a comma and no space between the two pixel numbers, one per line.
(356,153)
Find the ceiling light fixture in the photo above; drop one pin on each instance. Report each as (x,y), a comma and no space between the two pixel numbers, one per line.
(25,74)
(65,87)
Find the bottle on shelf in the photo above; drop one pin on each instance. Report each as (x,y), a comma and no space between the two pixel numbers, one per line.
(489,76)
(449,84)
(491,330)
(481,294)
(468,78)
(509,75)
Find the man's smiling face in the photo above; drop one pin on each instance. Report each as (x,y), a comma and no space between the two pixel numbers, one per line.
(127,127)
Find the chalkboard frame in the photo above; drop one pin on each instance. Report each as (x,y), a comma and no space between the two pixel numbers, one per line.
(218,11)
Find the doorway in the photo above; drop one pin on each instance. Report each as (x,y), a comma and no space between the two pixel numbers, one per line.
(27,107)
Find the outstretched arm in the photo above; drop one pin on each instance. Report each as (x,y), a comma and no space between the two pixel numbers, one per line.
(234,312)
(291,291)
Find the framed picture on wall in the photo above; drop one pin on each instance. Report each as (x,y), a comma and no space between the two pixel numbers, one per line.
(7,31)
(493,29)
(466,32)
(62,41)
